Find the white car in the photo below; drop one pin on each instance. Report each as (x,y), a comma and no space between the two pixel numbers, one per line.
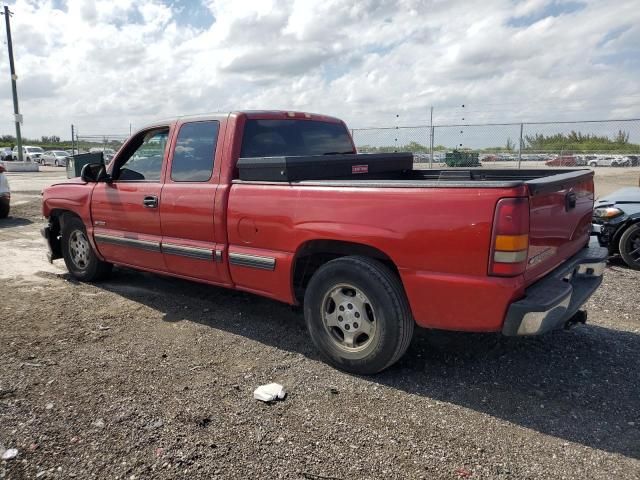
(29,154)
(57,158)
(5,193)
(598,161)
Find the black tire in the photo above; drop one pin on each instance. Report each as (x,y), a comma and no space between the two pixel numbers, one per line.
(4,208)
(386,309)
(84,266)
(630,246)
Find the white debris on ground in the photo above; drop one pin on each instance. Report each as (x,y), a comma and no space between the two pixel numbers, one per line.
(269,392)
(10,454)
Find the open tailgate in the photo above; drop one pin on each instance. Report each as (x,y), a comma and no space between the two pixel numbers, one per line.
(560,219)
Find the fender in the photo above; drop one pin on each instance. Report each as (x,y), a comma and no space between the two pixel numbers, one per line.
(73,196)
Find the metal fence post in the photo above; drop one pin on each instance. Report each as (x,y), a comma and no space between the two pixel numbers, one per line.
(520,146)
(431,147)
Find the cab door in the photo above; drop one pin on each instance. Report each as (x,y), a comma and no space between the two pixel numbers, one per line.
(189,245)
(126,212)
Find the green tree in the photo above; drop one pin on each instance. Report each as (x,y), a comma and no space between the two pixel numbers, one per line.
(510,145)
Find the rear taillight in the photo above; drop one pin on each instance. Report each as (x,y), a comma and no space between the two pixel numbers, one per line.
(510,238)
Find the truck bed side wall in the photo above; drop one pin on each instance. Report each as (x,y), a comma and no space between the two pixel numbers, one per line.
(438,238)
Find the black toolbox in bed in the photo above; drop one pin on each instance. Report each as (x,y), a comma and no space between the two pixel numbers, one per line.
(322,167)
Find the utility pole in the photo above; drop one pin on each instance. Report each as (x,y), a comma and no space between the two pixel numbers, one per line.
(14,77)
(73,142)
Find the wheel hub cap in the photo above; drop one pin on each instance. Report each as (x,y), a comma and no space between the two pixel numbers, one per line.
(79,249)
(348,317)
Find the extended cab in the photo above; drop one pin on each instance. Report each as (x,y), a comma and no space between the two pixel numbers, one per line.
(367,255)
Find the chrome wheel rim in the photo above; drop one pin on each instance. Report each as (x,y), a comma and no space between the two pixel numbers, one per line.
(79,249)
(349,318)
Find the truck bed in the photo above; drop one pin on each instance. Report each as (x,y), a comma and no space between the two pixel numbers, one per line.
(537,180)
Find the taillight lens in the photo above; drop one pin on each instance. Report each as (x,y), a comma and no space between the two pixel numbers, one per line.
(510,239)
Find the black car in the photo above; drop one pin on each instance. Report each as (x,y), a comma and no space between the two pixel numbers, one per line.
(616,222)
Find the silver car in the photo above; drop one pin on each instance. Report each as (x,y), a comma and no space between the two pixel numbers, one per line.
(57,158)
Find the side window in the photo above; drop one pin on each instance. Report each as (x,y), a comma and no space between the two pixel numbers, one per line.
(194,152)
(145,164)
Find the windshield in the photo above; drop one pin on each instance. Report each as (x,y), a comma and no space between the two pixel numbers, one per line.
(34,149)
(274,138)
(60,153)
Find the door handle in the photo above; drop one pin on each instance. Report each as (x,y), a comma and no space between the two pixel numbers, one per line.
(150,201)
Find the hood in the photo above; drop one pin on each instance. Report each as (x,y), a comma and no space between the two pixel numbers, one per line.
(624,195)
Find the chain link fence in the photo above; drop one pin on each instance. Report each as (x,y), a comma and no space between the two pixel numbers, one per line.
(608,143)
(109,144)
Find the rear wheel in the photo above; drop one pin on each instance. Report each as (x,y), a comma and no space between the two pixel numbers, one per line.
(82,262)
(358,315)
(630,246)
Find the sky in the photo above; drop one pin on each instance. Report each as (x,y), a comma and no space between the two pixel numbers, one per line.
(103,65)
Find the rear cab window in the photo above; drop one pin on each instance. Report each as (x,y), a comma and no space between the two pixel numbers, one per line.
(291,137)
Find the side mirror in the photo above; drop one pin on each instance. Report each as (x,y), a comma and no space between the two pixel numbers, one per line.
(95,172)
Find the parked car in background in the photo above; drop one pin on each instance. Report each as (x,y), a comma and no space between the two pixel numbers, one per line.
(29,153)
(5,194)
(6,154)
(108,153)
(562,161)
(616,223)
(609,161)
(57,158)
(581,160)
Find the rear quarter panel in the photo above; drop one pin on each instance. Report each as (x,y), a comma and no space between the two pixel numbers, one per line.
(437,237)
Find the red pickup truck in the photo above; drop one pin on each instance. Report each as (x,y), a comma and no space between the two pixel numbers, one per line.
(369,256)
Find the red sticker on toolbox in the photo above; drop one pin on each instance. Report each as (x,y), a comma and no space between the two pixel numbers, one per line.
(360,169)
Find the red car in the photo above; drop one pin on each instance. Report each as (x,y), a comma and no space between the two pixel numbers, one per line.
(368,255)
(562,161)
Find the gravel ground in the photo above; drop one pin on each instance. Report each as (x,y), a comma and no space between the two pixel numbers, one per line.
(151,377)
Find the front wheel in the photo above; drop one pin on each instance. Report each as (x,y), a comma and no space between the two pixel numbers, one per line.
(357,315)
(79,257)
(630,246)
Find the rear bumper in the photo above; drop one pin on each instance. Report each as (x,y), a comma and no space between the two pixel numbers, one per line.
(553,300)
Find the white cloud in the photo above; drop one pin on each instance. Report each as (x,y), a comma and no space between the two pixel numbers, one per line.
(102,64)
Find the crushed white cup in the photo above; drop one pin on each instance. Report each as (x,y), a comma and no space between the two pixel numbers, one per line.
(269,392)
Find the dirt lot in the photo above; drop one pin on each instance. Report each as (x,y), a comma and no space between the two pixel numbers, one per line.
(151,377)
